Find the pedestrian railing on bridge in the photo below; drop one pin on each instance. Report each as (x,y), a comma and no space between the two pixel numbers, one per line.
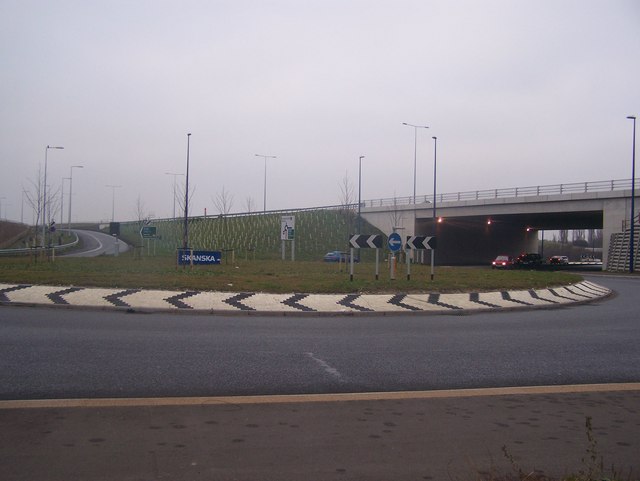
(511,192)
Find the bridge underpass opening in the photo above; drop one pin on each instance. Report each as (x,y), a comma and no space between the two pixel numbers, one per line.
(477,240)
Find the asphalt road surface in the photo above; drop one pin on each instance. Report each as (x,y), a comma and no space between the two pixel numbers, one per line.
(96,244)
(65,353)
(438,435)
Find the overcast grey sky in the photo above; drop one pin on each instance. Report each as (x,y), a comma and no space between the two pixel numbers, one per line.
(518,93)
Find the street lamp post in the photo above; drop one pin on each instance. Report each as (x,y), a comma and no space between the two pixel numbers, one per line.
(435,224)
(62,200)
(415,153)
(22,207)
(633,193)
(174,191)
(1,199)
(265,157)
(70,193)
(44,194)
(113,200)
(185,235)
(359,192)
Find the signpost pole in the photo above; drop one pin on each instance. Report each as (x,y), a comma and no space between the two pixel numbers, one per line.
(395,245)
(432,262)
(408,256)
(351,264)
(377,263)
(393,267)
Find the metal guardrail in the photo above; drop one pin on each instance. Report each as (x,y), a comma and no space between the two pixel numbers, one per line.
(255,212)
(511,192)
(33,250)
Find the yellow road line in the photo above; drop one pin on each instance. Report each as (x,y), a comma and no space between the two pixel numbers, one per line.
(314,398)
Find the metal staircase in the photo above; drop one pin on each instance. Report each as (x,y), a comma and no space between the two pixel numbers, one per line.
(618,259)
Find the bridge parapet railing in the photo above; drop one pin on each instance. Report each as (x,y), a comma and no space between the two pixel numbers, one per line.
(506,193)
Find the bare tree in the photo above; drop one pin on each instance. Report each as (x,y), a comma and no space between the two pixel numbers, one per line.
(595,237)
(54,199)
(564,236)
(180,197)
(33,195)
(347,197)
(348,208)
(396,216)
(223,201)
(141,213)
(250,204)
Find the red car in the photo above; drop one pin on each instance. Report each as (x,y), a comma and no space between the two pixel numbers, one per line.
(502,262)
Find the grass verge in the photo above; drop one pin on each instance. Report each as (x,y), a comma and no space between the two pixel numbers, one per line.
(159,272)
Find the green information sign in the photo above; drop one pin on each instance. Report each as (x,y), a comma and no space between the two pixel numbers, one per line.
(148,232)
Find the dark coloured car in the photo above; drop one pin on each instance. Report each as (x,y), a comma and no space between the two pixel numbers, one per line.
(502,262)
(339,256)
(559,260)
(530,259)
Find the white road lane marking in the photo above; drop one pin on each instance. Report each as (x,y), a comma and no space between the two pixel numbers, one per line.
(332,371)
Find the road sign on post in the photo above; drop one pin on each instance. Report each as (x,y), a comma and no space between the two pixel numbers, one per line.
(365,241)
(287,227)
(394,242)
(288,233)
(148,232)
(421,242)
(191,257)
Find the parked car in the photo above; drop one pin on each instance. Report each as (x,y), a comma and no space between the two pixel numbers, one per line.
(502,262)
(558,260)
(530,259)
(339,256)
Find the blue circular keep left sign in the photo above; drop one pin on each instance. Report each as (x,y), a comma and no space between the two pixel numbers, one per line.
(395,242)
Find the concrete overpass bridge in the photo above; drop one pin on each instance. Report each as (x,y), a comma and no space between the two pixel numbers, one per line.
(473,227)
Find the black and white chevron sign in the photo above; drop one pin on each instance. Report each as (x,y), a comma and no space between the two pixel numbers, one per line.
(364,241)
(421,242)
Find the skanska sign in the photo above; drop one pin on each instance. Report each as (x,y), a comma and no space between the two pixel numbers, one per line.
(194,258)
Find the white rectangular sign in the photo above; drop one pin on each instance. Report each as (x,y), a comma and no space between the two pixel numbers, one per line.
(287,227)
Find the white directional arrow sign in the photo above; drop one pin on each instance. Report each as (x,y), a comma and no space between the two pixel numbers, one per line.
(365,241)
(421,242)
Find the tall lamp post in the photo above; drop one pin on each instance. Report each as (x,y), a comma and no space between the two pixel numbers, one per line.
(435,223)
(174,190)
(71,192)
(113,200)
(265,157)
(359,192)
(62,201)
(44,195)
(415,153)
(1,199)
(185,235)
(633,193)
(22,207)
